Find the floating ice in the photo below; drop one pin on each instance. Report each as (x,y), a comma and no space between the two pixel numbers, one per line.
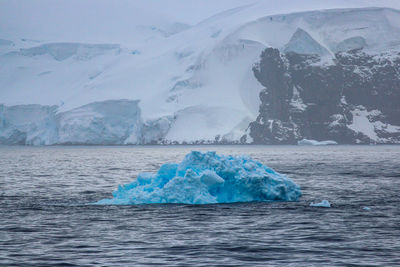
(203,178)
(366,208)
(310,142)
(324,204)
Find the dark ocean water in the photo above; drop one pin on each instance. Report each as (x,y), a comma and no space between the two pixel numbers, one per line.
(45,219)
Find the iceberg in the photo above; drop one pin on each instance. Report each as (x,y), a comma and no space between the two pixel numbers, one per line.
(323,204)
(310,142)
(205,178)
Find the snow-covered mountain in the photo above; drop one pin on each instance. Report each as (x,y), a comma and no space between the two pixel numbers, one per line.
(242,75)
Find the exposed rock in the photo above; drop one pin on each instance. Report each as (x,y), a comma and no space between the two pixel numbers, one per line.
(356,99)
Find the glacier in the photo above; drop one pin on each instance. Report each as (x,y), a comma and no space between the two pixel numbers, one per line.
(206,178)
(107,122)
(111,122)
(198,74)
(28,125)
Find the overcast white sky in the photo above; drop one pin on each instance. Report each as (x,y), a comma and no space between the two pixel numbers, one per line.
(193,11)
(47,19)
(112,20)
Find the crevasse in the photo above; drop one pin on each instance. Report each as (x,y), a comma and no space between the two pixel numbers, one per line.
(203,178)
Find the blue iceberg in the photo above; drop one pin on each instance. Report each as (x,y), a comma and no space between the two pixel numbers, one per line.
(205,178)
(323,204)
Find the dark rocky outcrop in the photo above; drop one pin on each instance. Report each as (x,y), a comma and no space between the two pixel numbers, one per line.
(354,99)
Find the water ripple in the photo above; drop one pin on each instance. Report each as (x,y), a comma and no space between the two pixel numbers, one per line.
(45,219)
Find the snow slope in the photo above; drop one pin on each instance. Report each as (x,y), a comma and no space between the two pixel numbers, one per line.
(194,83)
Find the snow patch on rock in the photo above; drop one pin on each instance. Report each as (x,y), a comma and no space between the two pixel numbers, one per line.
(366,123)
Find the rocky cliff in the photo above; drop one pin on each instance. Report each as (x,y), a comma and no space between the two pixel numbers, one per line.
(352,98)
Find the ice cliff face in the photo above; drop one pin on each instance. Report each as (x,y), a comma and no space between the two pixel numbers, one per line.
(108,122)
(63,51)
(28,124)
(245,75)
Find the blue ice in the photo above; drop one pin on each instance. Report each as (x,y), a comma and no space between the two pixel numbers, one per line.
(323,204)
(204,178)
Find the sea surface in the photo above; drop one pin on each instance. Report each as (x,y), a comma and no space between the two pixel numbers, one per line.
(46,216)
